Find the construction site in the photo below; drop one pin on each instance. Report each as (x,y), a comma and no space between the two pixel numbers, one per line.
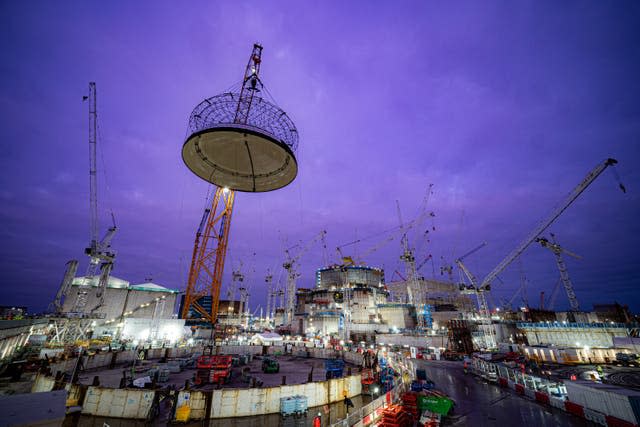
(359,344)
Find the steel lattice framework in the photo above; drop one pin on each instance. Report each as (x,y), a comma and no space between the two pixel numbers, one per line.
(209,253)
(221,110)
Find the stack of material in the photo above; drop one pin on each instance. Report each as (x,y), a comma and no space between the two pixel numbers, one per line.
(294,405)
(410,404)
(287,406)
(394,416)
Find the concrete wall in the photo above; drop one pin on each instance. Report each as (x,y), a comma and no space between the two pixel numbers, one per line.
(42,384)
(244,402)
(436,341)
(118,403)
(571,335)
(571,355)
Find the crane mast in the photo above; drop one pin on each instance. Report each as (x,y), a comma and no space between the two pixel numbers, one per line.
(270,296)
(93,178)
(558,250)
(486,330)
(99,252)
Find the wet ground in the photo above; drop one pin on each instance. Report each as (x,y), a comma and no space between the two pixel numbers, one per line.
(624,376)
(479,403)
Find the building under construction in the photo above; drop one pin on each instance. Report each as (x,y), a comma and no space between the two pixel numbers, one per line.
(143,311)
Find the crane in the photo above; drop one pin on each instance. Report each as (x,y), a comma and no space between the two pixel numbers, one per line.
(100,254)
(65,286)
(236,277)
(583,185)
(210,248)
(558,250)
(290,267)
(554,293)
(268,279)
(485,321)
(390,234)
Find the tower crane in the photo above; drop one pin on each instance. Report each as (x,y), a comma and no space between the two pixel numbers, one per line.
(485,320)
(236,278)
(558,250)
(290,267)
(268,279)
(390,235)
(100,254)
(583,185)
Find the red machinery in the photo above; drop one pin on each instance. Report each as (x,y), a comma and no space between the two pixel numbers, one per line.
(213,369)
(369,381)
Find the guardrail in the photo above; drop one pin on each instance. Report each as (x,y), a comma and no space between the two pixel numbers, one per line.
(371,411)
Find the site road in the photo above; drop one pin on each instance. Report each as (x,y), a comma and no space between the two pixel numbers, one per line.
(479,403)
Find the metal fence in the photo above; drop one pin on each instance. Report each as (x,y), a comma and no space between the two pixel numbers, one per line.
(370,408)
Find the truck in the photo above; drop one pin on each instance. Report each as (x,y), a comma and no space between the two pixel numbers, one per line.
(626,358)
(213,369)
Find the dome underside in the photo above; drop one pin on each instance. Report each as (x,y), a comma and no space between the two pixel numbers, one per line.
(240,159)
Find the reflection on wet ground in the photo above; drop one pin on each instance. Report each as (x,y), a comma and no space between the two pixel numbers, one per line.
(479,403)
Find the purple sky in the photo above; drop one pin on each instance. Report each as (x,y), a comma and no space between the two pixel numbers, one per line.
(503,107)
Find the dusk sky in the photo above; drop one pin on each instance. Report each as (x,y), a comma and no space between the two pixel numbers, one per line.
(503,106)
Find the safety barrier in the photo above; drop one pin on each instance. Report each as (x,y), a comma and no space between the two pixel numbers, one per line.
(369,413)
(118,403)
(595,416)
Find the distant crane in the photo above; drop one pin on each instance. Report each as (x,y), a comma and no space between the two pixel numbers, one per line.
(551,303)
(292,274)
(531,237)
(389,235)
(268,279)
(236,279)
(558,250)
(484,315)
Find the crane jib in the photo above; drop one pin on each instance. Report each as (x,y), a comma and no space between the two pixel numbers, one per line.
(591,176)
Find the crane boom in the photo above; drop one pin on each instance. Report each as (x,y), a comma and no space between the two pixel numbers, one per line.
(591,176)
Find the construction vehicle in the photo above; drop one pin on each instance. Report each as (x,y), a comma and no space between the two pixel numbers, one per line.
(334,368)
(213,369)
(270,366)
(369,380)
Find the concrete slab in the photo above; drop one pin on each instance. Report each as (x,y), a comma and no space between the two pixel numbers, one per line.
(296,370)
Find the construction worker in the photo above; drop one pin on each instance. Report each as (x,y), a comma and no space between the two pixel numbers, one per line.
(347,402)
(317,420)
